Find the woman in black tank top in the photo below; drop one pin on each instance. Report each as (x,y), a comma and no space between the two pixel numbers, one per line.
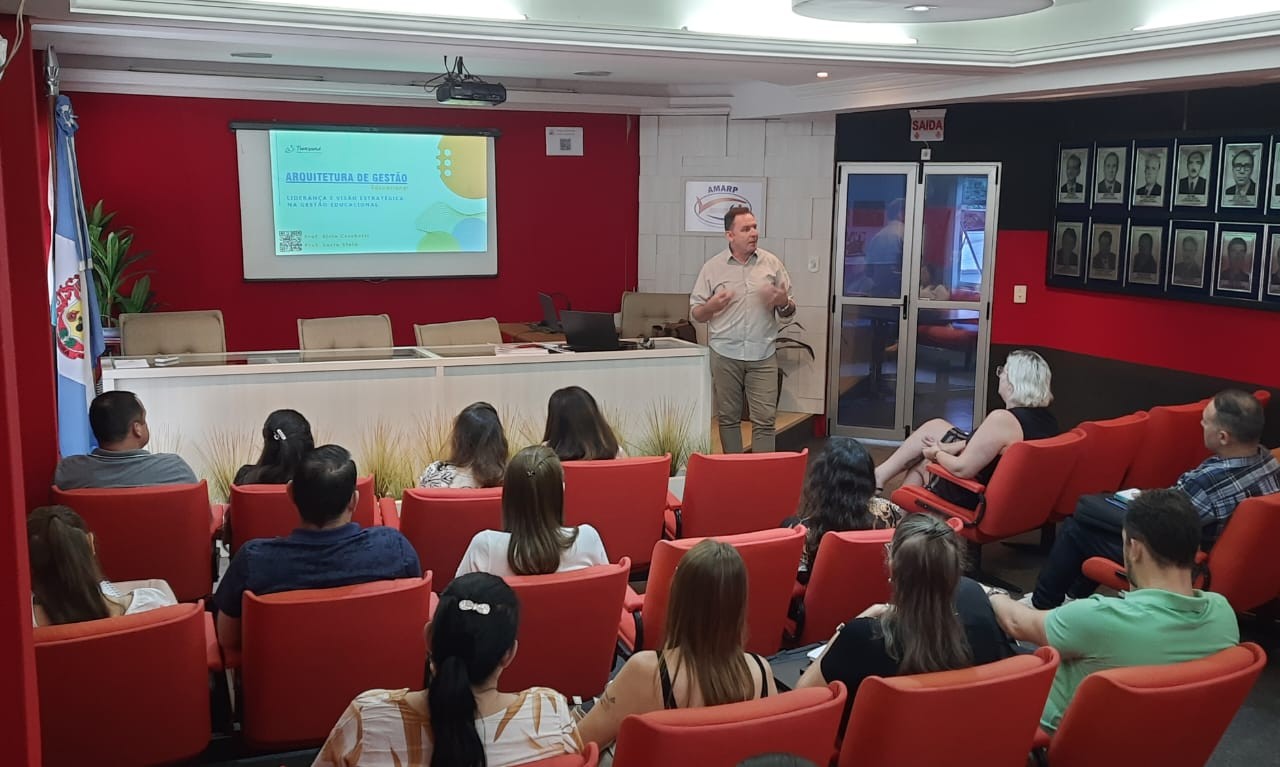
(1024,385)
(701,661)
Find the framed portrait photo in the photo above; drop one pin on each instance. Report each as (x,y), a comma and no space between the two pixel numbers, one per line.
(1150,182)
(1271,288)
(1274,198)
(1243,175)
(1106,240)
(1193,185)
(1190,251)
(1066,260)
(1110,174)
(1145,255)
(1073,177)
(1237,264)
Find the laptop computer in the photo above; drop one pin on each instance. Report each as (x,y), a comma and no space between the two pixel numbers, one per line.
(549,318)
(591,332)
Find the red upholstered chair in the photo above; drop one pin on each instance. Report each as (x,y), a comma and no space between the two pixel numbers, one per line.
(802,722)
(1105,456)
(306,654)
(265,511)
(985,715)
(589,757)
(771,557)
(1242,565)
(1264,397)
(728,494)
(1173,443)
(124,691)
(568,629)
(440,523)
(1019,498)
(623,499)
(150,532)
(1171,715)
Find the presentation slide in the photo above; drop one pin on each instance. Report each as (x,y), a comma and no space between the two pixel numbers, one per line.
(334,203)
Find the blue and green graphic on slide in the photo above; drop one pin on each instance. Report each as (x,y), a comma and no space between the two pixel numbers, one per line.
(344,193)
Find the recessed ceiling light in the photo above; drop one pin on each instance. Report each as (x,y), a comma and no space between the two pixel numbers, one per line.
(920,8)
(594,73)
(250,55)
(823,75)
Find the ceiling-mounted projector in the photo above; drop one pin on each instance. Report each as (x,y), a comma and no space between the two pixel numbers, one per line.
(458,86)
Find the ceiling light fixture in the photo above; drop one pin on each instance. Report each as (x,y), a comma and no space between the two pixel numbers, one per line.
(920,8)
(1188,14)
(251,55)
(594,73)
(823,75)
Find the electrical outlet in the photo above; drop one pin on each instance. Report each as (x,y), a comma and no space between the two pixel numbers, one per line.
(813,263)
(1019,294)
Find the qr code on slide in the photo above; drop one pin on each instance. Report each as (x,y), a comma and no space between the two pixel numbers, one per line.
(290,240)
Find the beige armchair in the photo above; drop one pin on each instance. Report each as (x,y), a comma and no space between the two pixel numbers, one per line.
(460,333)
(641,311)
(362,331)
(166,333)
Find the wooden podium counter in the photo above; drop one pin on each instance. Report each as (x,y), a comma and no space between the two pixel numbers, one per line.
(209,408)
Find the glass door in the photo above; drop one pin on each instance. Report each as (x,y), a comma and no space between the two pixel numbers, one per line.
(910,310)
(875,237)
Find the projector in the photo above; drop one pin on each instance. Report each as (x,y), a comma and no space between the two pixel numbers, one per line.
(470,92)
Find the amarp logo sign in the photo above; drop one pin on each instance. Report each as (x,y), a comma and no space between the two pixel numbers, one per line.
(706,202)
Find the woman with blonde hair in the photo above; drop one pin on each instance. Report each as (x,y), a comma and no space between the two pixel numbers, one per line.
(1025,388)
(534,540)
(701,661)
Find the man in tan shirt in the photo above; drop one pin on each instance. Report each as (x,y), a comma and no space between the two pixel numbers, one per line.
(740,293)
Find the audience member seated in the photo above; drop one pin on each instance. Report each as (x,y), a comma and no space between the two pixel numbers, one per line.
(1239,468)
(931,285)
(1024,387)
(460,718)
(67,585)
(286,438)
(701,662)
(119,424)
(326,550)
(534,540)
(477,451)
(839,494)
(1162,620)
(576,430)
(936,620)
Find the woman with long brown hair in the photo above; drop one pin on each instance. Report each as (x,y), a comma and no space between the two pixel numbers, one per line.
(577,430)
(701,662)
(534,540)
(936,619)
(477,451)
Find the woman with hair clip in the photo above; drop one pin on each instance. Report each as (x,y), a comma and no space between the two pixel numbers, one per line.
(576,430)
(534,540)
(1025,388)
(477,451)
(67,585)
(936,619)
(286,437)
(460,719)
(839,495)
(702,662)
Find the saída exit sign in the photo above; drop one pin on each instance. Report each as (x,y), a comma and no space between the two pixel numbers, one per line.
(928,124)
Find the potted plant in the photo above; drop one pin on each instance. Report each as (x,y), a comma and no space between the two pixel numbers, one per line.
(115,270)
(783,342)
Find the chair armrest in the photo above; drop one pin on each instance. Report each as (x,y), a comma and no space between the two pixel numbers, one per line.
(212,651)
(673,501)
(632,602)
(387,514)
(217,515)
(968,484)
(672,524)
(1106,572)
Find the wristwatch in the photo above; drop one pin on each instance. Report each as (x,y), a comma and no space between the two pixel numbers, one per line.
(789,309)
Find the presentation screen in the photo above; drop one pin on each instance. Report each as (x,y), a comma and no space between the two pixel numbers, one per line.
(355,203)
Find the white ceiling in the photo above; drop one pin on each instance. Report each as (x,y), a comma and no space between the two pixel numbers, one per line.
(750,59)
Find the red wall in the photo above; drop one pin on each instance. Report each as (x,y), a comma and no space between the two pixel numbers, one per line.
(168,165)
(1211,340)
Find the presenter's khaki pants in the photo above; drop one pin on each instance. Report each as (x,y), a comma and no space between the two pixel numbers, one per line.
(758,382)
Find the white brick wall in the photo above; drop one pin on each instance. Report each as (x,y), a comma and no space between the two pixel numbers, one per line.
(798,160)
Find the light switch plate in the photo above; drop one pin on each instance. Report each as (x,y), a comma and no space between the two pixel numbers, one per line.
(813,263)
(1019,294)
(926,154)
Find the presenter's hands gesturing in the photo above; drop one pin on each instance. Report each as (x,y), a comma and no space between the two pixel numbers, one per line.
(774,297)
(719,301)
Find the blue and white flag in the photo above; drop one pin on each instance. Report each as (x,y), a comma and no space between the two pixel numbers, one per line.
(77,327)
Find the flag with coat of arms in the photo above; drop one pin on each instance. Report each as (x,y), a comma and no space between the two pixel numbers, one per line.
(77,326)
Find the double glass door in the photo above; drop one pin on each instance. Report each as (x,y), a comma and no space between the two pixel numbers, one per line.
(914,259)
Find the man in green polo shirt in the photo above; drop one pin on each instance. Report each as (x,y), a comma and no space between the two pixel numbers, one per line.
(1162,620)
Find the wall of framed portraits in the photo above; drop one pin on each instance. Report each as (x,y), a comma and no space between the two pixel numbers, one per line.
(1193,217)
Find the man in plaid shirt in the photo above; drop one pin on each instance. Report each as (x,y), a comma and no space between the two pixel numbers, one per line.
(1239,468)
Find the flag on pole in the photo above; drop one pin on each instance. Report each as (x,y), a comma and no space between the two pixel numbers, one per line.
(77,327)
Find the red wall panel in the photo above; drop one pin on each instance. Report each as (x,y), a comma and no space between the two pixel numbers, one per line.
(168,165)
(1207,339)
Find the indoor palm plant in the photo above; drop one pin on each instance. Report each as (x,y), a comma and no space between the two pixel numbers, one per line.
(115,269)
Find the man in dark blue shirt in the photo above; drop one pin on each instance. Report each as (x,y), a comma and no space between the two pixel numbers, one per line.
(325,551)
